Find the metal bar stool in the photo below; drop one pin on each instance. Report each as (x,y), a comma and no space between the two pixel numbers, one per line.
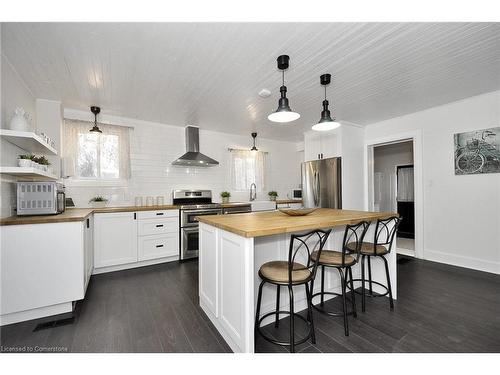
(291,273)
(342,261)
(385,230)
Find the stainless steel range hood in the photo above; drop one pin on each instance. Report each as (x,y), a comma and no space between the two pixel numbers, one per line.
(193,157)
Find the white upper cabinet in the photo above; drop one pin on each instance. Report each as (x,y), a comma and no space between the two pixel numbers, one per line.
(322,145)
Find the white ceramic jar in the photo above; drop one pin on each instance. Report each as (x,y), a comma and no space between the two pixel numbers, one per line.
(19,121)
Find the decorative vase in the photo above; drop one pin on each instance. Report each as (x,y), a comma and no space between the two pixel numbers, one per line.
(225,199)
(24,163)
(19,121)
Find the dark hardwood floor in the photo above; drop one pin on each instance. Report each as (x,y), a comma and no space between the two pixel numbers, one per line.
(155,309)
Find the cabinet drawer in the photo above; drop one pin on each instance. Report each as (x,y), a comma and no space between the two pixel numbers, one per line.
(159,246)
(157,214)
(158,226)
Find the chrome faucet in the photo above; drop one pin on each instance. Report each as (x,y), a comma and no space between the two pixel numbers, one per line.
(253,192)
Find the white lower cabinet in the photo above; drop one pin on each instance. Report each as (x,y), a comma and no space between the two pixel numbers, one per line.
(115,239)
(44,268)
(158,234)
(131,239)
(160,246)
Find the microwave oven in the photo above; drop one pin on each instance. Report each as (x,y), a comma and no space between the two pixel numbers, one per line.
(40,198)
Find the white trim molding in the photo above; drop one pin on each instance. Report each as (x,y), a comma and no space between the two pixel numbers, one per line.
(416,137)
(463,261)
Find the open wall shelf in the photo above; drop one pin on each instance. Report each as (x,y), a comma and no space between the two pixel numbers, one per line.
(27,173)
(28,141)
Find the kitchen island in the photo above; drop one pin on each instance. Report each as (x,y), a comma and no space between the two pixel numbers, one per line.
(232,249)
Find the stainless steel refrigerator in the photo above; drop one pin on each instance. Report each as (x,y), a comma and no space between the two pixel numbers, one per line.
(322,183)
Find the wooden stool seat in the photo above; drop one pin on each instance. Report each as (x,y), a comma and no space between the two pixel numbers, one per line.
(333,258)
(277,272)
(368,248)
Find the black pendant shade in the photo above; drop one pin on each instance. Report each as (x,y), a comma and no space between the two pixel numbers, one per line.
(284,113)
(95,110)
(325,122)
(254,135)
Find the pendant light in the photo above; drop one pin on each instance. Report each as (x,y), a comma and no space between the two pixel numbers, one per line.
(326,122)
(283,113)
(95,111)
(254,135)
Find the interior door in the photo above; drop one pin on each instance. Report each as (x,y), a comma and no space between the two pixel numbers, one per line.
(405,200)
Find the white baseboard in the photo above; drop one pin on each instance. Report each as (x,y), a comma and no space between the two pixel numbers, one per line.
(127,266)
(407,252)
(462,261)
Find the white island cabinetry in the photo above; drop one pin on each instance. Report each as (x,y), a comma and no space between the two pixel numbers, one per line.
(232,251)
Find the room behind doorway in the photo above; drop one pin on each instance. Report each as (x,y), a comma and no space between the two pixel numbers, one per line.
(394,189)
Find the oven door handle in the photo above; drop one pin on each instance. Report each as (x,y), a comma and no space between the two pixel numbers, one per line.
(190,229)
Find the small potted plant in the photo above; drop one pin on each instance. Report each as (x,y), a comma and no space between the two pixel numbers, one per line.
(42,160)
(98,202)
(225,195)
(24,161)
(272,195)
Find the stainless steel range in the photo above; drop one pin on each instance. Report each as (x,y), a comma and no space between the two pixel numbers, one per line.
(194,203)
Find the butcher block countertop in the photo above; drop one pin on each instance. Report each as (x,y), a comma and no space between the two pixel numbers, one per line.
(266,223)
(71,214)
(80,214)
(288,201)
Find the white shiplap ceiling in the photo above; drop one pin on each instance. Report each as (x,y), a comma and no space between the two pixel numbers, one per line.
(209,74)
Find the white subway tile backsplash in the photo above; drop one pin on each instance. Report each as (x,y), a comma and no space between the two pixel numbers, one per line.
(153,147)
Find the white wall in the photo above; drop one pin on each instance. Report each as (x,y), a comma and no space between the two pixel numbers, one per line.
(461,213)
(386,158)
(154,146)
(14,93)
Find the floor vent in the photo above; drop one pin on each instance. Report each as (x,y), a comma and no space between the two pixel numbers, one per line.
(54,323)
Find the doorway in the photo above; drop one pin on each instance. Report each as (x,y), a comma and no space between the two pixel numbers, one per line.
(393,189)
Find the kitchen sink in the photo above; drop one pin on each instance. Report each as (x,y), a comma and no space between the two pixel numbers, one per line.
(263,205)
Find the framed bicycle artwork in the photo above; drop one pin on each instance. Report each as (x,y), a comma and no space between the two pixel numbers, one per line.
(477,151)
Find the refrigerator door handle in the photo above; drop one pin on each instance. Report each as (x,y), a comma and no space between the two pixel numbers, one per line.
(316,189)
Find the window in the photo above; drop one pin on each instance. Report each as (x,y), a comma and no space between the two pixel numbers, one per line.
(103,156)
(247,167)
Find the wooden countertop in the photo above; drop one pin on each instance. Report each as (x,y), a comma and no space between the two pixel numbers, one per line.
(288,201)
(134,208)
(234,204)
(266,223)
(71,214)
(80,214)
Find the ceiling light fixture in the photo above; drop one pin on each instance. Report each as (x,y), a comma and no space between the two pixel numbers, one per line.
(326,122)
(254,135)
(283,113)
(95,111)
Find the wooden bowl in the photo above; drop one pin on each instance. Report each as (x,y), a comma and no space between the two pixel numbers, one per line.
(297,212)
